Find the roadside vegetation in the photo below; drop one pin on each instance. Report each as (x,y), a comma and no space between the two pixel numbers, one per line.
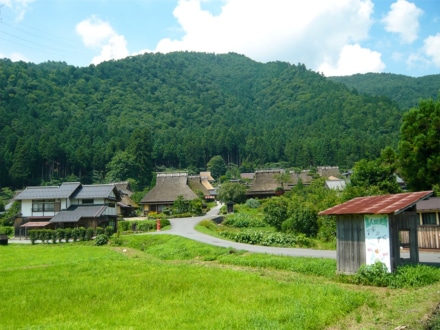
(168,282)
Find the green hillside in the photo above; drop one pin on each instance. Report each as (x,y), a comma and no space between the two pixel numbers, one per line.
(405,91)
(178,110)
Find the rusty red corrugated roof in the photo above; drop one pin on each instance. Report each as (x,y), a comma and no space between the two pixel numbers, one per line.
(384,204)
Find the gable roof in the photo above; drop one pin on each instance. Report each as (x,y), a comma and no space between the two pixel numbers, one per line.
(50,192)
(207,175)
(430,204)
(169,186)
(97,191)
(337,184)
(76,212)
(264,181)
(385,204)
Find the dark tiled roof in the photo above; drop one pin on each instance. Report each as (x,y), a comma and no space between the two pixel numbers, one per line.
(63,191)
(76,212)
(96,191)
(430,204)
(169,186)
(385,204)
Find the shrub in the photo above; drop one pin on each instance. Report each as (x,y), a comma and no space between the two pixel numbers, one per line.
(302,220)
(75,234)
(101,239)
(375,274)
(6,230)
(124,225)
(99,231)
(327,229)
(267,238)
(252,203)
(89,233)
(60,234)
(33,235)
(241,220)
(108,231)
(67,234)
(208,224)
(82,233)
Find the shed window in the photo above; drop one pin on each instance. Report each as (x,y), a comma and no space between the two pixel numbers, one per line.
(429,219)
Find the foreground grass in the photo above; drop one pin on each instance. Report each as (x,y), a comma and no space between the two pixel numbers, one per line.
(168,282)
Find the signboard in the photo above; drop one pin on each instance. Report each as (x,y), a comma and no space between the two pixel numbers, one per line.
(377,239)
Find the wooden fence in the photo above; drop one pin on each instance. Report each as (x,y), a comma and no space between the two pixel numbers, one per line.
(427,236)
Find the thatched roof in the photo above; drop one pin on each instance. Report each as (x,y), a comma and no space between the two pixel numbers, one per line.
(195,183)
(207,175)
(264,182)
(169,186)
(305,177)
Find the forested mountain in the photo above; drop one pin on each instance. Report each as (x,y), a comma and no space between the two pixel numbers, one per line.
(406,91)
(125,118)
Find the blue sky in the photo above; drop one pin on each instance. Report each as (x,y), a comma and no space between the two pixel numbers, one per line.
(334,37)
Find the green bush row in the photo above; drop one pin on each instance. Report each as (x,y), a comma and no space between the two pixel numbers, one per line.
(6,230)
(404,277)
(67,234)
(242,220)
(141,225)
(267,238)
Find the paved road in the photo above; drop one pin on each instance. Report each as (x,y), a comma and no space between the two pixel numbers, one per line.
(185,228)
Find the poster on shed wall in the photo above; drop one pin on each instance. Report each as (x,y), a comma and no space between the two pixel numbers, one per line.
(377,239)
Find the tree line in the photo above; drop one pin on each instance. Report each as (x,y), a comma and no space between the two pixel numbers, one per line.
(128,118)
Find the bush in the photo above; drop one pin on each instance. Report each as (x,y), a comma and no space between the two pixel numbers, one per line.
(241,220)
(302,220)
(209,224)
(252,203)
(375,274)
(33,235)
(267,238)
(327,229)
(67,234)
(99,231)
(101,239)
(82,233)
(75,234)
(108,231)
(61,234)
(89,233)
(6,230)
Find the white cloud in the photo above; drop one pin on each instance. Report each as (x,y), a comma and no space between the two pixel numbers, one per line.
(432,48)
(268,30)
(403,19)
(15,57)
(354,59)
(19,7)
(96,33)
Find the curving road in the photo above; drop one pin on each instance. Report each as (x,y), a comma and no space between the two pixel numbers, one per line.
(185,227)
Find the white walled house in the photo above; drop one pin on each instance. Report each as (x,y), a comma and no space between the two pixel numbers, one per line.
(69,205)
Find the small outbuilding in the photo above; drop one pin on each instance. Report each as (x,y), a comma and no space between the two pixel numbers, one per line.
(377,228)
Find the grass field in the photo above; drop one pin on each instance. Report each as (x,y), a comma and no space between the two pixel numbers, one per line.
(168,282)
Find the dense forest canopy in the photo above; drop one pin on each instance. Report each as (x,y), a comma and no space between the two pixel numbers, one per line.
(154,111)
(405,91)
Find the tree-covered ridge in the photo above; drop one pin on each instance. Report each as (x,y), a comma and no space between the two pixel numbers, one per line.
(405,91)
(59,120)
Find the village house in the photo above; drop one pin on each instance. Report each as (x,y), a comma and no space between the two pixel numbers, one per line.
(168,188)
(67,206)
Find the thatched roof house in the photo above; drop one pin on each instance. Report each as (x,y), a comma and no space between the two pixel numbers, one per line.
(201,183)
(169,186)
(264,184)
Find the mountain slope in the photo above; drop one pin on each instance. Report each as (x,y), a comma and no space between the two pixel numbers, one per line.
(59,120)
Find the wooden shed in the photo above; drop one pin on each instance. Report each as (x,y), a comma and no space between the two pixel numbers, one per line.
(369,229)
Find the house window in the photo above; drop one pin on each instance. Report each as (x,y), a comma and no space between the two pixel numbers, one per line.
(87,201)
(43,206)
(429,219)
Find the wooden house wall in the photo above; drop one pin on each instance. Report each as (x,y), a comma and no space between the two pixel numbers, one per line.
(404,224)
(350,235)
